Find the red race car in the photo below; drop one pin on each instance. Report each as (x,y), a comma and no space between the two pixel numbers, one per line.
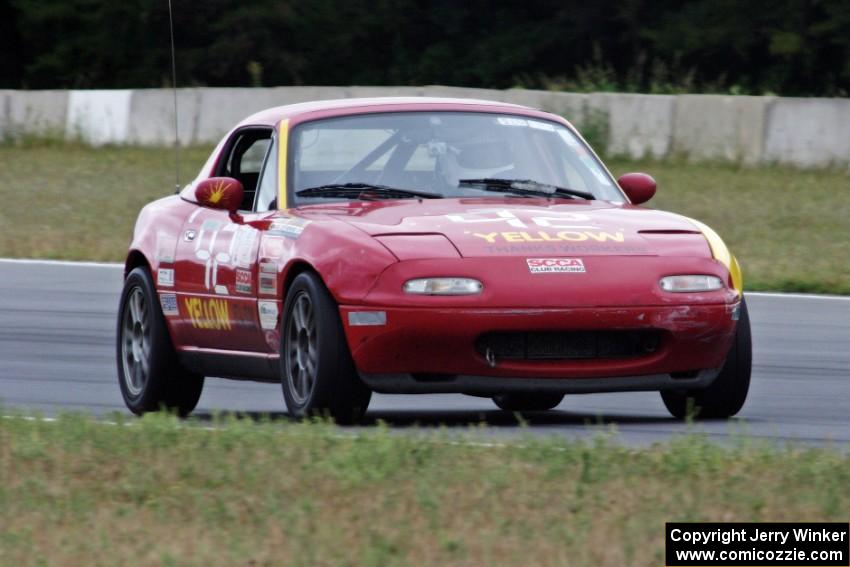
(425,246)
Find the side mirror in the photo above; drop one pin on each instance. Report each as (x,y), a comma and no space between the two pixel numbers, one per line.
(639,187)
(220,193)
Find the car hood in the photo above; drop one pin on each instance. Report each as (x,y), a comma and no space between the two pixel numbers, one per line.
(473,228)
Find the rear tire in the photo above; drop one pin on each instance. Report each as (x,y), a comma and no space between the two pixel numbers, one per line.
(149,374)
(726,395)
(527,402)
(317,372)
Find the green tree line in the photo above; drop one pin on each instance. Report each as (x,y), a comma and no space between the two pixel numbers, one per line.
(787,47)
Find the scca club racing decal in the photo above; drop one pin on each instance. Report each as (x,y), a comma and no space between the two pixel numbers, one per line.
(555,265)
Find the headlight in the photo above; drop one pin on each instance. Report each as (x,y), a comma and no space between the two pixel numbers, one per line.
(443,286)
(680,284)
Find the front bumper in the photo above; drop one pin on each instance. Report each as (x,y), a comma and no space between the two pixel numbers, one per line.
(437,346)
(490,386)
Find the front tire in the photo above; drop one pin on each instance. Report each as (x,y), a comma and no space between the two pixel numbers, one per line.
(726,395)
(527,402)
(149,374)
(317,372)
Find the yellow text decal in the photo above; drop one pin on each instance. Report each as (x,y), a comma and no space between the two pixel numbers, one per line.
(546,236)
(210,314)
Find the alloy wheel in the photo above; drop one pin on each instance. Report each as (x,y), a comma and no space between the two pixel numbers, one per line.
(302,348)
(136,342)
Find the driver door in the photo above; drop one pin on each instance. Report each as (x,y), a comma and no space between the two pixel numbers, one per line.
(216,260)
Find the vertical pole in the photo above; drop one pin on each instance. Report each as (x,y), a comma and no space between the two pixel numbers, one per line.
(174,88)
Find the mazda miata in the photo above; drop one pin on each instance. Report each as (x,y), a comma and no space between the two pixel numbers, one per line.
(423,245)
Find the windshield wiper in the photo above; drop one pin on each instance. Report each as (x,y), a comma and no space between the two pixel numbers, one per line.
(525,187)
(364,190)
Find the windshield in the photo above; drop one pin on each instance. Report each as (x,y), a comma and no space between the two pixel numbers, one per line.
(437,152)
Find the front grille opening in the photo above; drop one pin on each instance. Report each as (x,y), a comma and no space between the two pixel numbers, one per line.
(568,345)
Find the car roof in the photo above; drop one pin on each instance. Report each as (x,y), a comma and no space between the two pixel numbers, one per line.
(320,108)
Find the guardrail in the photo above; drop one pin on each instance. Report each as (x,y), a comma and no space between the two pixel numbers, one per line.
(806,132)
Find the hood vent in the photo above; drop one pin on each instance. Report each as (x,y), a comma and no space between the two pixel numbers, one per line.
(668,231)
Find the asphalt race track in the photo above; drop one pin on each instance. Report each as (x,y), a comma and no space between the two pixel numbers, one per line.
(57,324)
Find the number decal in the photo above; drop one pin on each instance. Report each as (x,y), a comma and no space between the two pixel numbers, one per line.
(236,253)
(552,219)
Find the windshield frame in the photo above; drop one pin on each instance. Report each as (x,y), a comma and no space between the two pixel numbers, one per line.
(295,128)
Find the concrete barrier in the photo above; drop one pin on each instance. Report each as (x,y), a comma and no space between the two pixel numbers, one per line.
(729,128)
(569,105)
(294,95)
(638,125)
(374,92)
(808,132)
(5,103)
(151,120)
(98,117)
(221,109)
(749,130)
(35,113)
(463,92)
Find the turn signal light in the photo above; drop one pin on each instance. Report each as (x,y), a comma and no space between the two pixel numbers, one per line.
(690,283)
(443,286)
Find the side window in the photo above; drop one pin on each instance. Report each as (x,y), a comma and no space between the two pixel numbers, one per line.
(252,159)
(245,159)
(267,187)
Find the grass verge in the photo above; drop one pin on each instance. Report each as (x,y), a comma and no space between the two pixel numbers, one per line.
(73,202)
(75,492)
(788,227)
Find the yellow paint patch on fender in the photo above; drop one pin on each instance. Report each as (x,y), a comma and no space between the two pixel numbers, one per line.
(722,254)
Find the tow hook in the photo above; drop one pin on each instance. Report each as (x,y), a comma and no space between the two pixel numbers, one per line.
(490,356)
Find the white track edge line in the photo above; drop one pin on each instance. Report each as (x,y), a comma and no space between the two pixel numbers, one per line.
(36,261)
(792,295)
